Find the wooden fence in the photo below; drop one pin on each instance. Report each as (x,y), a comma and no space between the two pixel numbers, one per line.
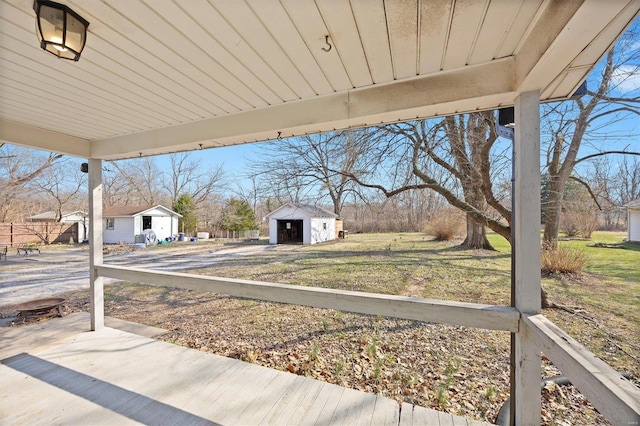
(15,234)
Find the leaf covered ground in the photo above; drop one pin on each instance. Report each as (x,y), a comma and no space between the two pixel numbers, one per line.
(460,370)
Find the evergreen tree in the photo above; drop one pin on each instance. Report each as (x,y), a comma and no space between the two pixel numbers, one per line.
(186,206)
(239,216)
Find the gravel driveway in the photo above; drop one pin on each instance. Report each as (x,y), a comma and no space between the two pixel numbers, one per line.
(60,270)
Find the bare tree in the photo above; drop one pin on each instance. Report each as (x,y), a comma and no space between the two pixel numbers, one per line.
(313,164)
(61,184)
(18,167)
(588,121)
(188,176)
(612,182)
(139,179)
(452,157)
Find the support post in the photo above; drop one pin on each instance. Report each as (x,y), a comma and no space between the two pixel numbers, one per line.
(96,286)
(526,387)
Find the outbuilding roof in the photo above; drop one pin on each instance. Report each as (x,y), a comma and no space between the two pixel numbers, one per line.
(130,211)
(310,210)
(51,215)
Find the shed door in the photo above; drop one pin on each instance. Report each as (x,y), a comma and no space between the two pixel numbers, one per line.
(290,232)
(146,222)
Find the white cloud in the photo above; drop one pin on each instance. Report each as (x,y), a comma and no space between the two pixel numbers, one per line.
(626,78)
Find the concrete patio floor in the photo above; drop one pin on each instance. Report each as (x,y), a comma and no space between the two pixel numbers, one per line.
(56,372)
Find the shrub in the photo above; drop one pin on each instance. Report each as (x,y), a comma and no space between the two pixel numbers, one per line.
(445,225)
(562,259)
(579,220)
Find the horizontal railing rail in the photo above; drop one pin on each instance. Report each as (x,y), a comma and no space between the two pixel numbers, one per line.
(490,317)
(610,393)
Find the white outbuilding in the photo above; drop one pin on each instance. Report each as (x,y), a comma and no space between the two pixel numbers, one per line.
(633,221)
(78,217)
(123,223)
(301,224)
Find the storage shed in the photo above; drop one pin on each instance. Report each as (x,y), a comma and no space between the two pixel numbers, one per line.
(123,223)
(633,221)
(301,224)
(79,217)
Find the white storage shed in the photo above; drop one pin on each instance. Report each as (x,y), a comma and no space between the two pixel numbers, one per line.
(301,224)
(633,221)
(78,216)
(123,223)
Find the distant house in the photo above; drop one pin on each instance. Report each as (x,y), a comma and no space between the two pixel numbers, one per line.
(301,224)
(78,217)
(123,223)
(633,221)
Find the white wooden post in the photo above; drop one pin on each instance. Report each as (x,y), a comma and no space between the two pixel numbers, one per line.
(96,286)
(527,254)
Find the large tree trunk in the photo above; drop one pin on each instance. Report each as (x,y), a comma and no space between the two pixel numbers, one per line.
(553,209)
(476,236)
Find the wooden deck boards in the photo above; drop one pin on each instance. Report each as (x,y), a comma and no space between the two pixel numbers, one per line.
(115,377)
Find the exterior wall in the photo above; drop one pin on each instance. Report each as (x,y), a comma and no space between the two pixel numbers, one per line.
(634,225)
(123,230)
(317,231)
(137,226)
(273,230)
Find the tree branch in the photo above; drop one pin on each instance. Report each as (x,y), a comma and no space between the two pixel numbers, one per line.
(586,185)
(600,154)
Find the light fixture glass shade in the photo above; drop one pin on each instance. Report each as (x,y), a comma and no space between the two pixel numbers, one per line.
(61,31)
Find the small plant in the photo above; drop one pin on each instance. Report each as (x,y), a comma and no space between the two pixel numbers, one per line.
(372,350)
(491,393)
(442,396)
(325,325)
(443,387)
(377,370)
(563,260)
(313,355)
(339,369)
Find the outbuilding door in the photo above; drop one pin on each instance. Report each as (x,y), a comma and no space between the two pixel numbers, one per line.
(290,232)
(146,222)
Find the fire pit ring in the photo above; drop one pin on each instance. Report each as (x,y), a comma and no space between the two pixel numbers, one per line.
(40,307)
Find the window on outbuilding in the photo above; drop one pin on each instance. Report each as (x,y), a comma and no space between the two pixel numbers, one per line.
(324,225)
(110,223)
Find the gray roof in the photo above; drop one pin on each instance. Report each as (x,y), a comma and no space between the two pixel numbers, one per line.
(312,211)
(51,215)
(130,211)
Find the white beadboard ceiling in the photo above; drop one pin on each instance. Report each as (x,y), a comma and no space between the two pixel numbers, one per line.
(160,76)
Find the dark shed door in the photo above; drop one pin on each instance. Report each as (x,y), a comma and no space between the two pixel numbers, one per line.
(290,232)
(146,222)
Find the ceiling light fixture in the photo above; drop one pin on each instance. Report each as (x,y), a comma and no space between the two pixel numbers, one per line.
(61,31)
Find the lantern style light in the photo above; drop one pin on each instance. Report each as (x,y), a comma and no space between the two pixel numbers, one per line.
(61,31)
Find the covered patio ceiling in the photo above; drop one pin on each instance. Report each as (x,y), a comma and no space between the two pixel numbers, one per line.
(160,76)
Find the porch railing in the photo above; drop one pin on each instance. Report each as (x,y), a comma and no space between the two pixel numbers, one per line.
(609,392)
